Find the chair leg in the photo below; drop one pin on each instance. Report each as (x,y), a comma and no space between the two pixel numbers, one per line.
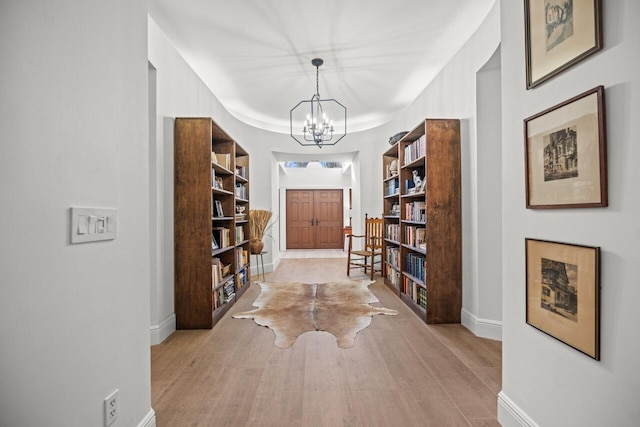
(373,258)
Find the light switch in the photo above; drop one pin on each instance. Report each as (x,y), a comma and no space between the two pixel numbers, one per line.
(111,224)
(82,224)
(91,224)
(101,225)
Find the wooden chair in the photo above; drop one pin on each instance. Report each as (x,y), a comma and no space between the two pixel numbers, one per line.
(366,257)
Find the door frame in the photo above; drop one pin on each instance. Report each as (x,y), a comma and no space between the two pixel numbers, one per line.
(282,206)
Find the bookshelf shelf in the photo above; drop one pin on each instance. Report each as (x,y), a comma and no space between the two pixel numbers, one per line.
(423,249)
(219,191)
(210,170)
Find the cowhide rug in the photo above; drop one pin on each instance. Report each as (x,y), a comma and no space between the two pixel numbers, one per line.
(290,309)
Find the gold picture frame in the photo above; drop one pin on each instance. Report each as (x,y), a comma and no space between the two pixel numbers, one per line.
(559,34)
(566,154)
(563,293)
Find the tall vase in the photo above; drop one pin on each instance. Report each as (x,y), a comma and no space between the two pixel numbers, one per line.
(256,246)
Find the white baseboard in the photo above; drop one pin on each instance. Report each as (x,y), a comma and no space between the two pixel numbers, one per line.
(268,268)
(510,414)
(483,328)
(149,420)
(160,332)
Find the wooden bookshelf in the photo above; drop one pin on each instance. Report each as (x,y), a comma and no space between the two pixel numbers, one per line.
(211,251)
(423,231)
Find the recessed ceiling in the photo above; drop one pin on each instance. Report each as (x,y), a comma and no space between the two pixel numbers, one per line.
(255,55)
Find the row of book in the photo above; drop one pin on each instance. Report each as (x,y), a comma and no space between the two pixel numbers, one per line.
(393,276)
(391,187)
(242,257)
(393,232)
(221,283)
(219,272)
(239,234)
(241,191)
(415,236)
(415,291)
(241,171)
(221,159)
(220,238)
(393,256)
(415,150)
(223,294)
(415,211)
(241,279)
(416,265)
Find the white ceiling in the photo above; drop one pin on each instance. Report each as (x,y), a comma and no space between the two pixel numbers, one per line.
(255,55)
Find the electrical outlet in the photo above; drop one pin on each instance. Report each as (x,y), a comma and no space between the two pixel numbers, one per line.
(111,408)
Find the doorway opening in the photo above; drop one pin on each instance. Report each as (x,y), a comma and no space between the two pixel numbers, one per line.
(317,196)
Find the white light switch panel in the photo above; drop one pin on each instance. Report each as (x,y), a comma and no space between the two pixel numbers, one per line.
(93,224)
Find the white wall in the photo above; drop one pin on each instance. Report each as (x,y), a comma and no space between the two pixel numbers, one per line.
(546,382)
(486,190)
(73,128)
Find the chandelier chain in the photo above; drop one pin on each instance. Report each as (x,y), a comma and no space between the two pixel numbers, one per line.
(318,80)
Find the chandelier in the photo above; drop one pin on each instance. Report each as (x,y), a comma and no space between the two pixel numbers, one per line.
(317,127)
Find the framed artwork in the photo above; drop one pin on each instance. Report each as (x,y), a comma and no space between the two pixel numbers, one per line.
(558,34)
(563,293)
(217,183)
(566,155)
(219,211)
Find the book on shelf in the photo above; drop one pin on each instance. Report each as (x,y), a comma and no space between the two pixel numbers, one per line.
(416,265)
(239,234)
(241,191)
(393,256)
(415,150)
(221,159)
(222,236)
(393,232)
(242,257)
(415,211)
(241,171)
(415,236)
(420,241)
(216,272)
(409,186)
(391,187)
(422,297)
(393,276)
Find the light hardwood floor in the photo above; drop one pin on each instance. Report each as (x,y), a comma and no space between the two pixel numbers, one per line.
(400,372)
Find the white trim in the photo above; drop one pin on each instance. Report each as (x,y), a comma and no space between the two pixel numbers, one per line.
(268,268)
(149,420)
(483,328)
(160,332)
(510,414)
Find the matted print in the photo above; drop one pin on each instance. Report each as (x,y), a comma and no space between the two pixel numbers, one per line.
(558,34)
(563,287)
(565,154)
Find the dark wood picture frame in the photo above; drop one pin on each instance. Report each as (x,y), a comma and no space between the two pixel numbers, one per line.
(566,154)
(558,37)
(563,293)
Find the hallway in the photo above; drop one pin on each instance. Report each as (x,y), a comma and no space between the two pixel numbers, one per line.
(400,372)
